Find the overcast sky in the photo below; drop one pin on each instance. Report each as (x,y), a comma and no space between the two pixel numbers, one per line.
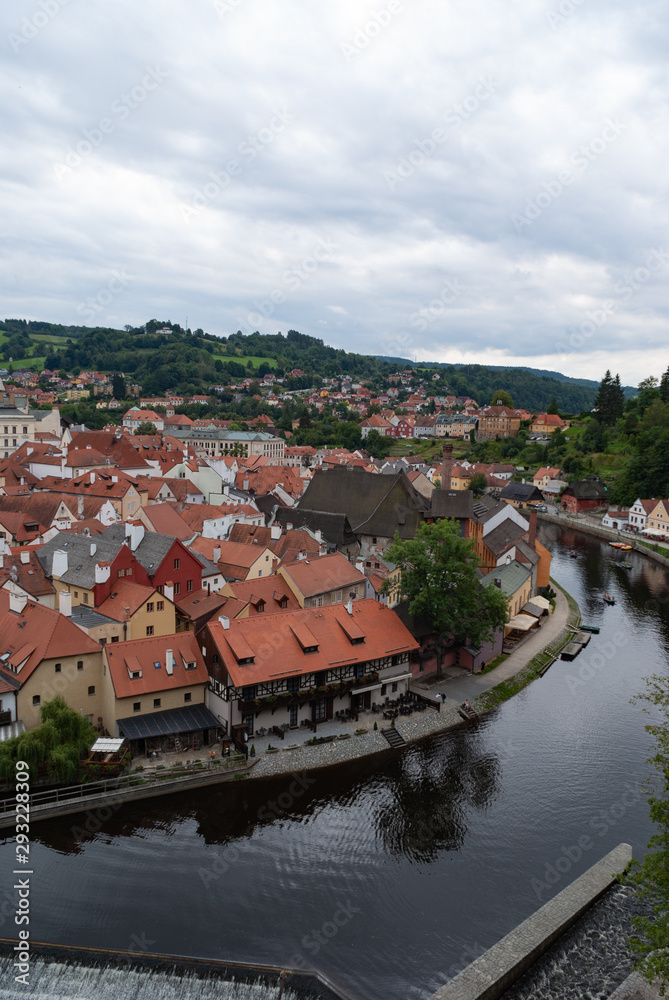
(478,180)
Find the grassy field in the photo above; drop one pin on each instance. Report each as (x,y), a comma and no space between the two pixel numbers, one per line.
(272,362)
(26,363)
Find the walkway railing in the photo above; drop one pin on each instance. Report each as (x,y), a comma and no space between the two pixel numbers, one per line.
(82,791)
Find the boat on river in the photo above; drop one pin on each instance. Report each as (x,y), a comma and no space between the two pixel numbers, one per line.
(621,545)
(608,599)
(590,628)
(579,642)
(573,553)
(625,565)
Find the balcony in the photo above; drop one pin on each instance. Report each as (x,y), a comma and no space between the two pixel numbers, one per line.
(287,698)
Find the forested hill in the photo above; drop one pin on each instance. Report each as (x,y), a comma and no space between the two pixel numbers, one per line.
(161,356)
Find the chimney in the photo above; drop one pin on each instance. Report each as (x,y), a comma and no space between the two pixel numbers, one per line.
(447,466)
(225,621)
(349,607)
(65,603)
(25,557)
(17,602)
(275,532)
(168,591)
(245,485)
(59,563)
(92,477)
(80,506)
(134,533)
(360,566)
(102,572)
(93,548)
(2,561)
(532,536)
(169,662)
(289,527)
(216,554)
(498,582)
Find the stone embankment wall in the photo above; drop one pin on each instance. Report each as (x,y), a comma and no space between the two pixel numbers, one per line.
(608,534)
(494,972)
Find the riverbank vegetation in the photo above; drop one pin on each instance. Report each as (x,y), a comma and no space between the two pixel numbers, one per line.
(54,749)
(651,876)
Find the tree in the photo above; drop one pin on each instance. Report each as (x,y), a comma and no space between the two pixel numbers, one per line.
(146,427)
(56,746)
(610,400)
(664,387)
(440,580)
(501,397)
(651,877)
(118,387)
(552,406)
(478,484)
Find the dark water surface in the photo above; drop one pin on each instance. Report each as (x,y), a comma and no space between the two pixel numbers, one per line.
(390,874)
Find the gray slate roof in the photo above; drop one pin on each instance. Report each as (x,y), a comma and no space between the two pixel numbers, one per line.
(522,492)
(503,536)
(374,504)
(83,552)
(453,503)
(512,576)
(151,550)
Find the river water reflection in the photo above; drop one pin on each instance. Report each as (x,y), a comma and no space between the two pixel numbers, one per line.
(391,874)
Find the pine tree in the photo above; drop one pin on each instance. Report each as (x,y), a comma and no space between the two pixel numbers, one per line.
(610,399)
(664,387)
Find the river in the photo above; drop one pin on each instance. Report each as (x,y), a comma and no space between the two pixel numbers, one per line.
(388,874)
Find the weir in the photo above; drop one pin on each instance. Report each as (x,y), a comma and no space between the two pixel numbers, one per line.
(58,971)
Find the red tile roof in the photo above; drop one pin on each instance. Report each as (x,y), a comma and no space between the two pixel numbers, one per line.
(319,576)
(143,654)
(277,642)
(39,633)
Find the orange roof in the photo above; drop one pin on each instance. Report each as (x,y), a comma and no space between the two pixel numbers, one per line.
(141,655)
(275,644)
(165,520)
(126,595)
(270,590)
(318,576)
(39,633)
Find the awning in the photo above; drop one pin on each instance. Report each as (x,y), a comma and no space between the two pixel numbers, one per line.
(380,684)
(523,623)
(542,602)
(533,609)
(168,723)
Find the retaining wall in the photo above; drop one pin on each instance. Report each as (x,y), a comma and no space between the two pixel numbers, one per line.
(608,534)
(489,976)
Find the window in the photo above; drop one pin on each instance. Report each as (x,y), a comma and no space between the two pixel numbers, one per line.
(320,710)
(36,699)
(188,696)
(149,606)
(160,605)
(248,693)
(137,706)
(149,629)
(76,594)
(189,586)
(57,667)
(177,589)
(293,684)
(156,702)
(177,563)
(384,687)
(85,597)
(80,664)
(114,638)
(283,603)
(91,689)
(293,715)
(102,641)
(393,687)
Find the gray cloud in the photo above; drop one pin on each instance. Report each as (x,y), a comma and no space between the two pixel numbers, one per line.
(515,150)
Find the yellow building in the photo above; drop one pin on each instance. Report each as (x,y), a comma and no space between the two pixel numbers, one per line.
(657,522)
(144,611)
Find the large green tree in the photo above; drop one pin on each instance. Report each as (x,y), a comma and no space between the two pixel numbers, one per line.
(439,577)
(610,399)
